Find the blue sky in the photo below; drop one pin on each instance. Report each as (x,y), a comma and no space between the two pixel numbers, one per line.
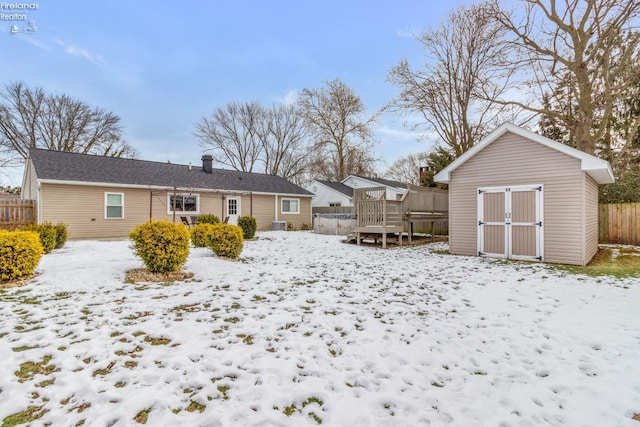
(161,66)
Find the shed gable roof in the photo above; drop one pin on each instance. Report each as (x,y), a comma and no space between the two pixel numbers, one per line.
(77,168)
(598,169)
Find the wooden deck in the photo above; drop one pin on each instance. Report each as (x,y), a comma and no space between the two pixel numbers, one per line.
(377,216)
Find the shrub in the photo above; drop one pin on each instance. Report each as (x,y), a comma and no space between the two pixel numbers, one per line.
(47,233)
(20,253)
(61,234)
(248,225)
(226,240)
(201,235)
(162,245)
(306,227)
(207,219)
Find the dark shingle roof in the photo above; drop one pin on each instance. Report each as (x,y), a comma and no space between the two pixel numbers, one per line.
(339,187)
(63,166)
(387,182)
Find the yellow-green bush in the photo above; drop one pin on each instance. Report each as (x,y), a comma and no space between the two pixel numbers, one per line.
(20,253)
(201,234)
(61,234)
(48,235)
(163,246)
(226,240)
(248,225)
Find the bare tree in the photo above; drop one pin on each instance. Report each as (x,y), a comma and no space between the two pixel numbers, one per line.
(588,43)
(463,58)
(31,118)
(250,137)
(285,144)
(231,134)
(407,168)
(341,130)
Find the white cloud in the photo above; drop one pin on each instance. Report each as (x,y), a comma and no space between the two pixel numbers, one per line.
(82,53)
(290,97)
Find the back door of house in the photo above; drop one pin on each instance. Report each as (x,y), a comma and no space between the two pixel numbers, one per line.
(510,222)
(233,209)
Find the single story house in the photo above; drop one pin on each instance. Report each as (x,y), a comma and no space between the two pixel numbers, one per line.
(105,197)
(330,193)
(519,195)
(394,189)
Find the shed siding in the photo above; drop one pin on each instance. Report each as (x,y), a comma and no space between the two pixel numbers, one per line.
(514,160)
(591,219)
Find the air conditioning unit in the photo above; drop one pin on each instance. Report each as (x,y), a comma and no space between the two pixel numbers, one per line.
(279,225)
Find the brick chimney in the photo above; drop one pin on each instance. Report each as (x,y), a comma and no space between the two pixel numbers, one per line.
(207,163)
(422,174)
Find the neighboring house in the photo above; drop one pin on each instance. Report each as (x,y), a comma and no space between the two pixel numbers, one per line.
(106,197)
(330,193)
(519,195)
(394,189)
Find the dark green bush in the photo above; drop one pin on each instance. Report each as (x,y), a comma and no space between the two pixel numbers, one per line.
(248,225)
(163,246)
(226,240)
(61,234)
(207,219)
(20,253)
(47,233)
(201,235)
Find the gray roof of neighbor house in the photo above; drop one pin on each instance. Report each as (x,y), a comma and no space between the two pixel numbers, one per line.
(338,186)
(78,168)
(383,181)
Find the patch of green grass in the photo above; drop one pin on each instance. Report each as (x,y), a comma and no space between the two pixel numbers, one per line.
(247,339)
(437,384)
(232,320)
(30,414)
(46,383)
(223,389)
(157,341)
(195,406)
(142,416)
(23,348)
(289,410)
(30,369)
(104,371)
(604,263)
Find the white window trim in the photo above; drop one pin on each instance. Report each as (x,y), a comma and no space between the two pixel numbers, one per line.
(170,205)
(282,200)
(106,196)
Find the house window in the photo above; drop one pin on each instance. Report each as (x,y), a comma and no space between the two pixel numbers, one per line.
(184,203)
(114,205)
(335,205)
(290,206)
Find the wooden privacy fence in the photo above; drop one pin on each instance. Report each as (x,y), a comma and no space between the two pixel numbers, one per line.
(619,223)
(16,213)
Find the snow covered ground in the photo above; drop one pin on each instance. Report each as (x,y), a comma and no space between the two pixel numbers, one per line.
(306,330)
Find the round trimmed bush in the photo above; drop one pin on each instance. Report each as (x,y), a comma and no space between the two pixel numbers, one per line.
(61,234)
(226,240)
(20,253)
(163,246)
(248,225)
(47,233)
(207,219)
(201,234)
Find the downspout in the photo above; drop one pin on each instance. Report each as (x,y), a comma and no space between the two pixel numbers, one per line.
(150,204)
(276,207)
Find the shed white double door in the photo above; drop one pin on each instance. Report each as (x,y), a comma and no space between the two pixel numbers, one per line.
(510,222)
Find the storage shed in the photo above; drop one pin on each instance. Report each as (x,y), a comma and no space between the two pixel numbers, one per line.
(519,195)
